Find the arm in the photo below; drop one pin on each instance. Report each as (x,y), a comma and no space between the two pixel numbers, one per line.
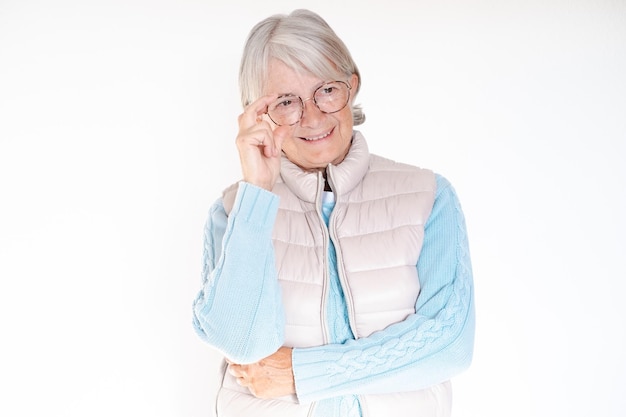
(239,310)
(428,347)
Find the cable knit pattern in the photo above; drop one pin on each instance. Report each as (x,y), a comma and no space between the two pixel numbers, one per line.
(398,369)
(425,349)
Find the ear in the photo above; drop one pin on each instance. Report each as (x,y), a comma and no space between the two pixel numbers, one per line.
(354,86)
(354,82)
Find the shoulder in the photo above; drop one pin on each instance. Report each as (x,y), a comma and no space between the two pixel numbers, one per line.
(443,184)
(378,162)
(388,170)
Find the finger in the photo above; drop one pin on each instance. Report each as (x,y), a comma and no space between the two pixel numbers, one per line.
(279,135)
(235,370)
(255,111)
(269,146)
(265,137)
(257,135)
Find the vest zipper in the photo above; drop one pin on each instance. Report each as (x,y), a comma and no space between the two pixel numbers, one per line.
(340,268)
(318,209)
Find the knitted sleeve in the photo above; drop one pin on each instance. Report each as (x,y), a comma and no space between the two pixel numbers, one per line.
(239,309)
(429,346)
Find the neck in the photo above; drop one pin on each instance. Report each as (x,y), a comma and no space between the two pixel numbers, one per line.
(326,185)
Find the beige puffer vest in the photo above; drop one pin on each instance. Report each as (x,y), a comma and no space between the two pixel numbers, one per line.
(377,226)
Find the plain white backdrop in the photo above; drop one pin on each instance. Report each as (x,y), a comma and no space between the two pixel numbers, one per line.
(117,127)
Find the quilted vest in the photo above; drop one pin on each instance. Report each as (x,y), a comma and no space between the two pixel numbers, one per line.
(377,226)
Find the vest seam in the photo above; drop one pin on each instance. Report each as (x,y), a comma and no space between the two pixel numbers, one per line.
(387,196)
(304,245)
(402,226)
(383,268)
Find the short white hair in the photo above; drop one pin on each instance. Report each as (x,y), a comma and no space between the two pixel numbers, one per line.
(304,42)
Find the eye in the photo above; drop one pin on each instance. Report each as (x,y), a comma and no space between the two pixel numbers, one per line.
(327,90)
(285,102)
(330,91)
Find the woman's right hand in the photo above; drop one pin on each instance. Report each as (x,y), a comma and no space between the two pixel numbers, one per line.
(259,145)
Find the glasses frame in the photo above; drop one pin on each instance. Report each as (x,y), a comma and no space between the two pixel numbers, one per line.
(267,111)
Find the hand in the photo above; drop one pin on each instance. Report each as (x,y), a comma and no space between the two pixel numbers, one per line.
(271,377)
(259,146)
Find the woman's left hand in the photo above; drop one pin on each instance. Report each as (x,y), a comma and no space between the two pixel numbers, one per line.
(271,377)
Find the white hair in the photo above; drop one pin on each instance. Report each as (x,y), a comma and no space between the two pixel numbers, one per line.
(304,42)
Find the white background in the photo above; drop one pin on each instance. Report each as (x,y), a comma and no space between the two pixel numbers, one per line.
(117,127)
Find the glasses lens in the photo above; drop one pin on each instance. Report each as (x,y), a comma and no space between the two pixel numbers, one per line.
(332,97)
(286,110)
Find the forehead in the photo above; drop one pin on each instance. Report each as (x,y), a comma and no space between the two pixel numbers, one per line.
(282,78)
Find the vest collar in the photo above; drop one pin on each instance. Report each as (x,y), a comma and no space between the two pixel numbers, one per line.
(342,177)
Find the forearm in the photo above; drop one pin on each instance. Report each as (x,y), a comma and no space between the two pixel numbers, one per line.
(411,355)
(428,347)
(239,309)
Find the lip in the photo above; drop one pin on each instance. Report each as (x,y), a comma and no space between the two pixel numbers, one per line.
(317,138)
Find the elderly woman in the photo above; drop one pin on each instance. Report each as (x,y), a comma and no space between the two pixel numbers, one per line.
(336,282)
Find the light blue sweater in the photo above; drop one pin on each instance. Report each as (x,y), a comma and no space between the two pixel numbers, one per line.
(239,312)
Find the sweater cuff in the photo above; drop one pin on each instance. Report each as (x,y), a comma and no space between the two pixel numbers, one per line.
(310,369)
(256,205)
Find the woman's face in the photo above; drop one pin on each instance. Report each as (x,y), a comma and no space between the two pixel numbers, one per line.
(319,138)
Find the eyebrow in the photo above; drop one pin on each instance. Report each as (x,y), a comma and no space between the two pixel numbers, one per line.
(314,90)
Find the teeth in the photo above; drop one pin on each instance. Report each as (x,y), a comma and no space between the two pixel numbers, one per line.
(318,137)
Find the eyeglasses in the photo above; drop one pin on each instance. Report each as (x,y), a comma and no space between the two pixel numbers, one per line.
(331,97)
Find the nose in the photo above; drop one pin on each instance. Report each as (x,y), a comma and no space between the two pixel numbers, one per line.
(311,114)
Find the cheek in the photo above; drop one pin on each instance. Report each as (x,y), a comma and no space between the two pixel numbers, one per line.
(289,147)
(345,120)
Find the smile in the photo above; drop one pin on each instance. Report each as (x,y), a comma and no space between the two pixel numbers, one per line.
(314,138)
